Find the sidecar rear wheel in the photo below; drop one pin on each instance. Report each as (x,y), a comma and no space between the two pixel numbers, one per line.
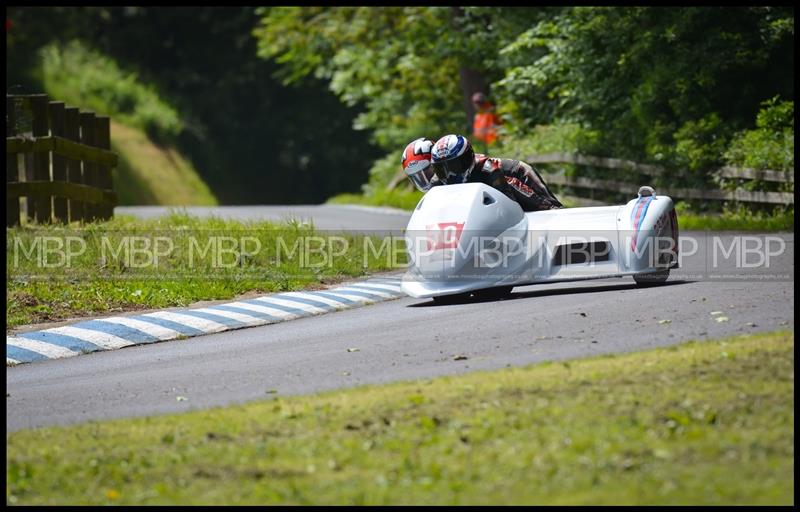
(498,292)
(451,299)
(652,278)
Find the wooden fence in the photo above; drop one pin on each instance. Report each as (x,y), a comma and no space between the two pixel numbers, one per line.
(59,160)
(752,196)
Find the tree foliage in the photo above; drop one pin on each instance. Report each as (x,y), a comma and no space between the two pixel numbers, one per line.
(657,83)
(771,144)
(80,76)
(403,64)
(663,85)
(252,139)
(666,85)
(376,57)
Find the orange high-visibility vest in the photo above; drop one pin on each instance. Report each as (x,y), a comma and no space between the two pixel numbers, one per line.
(484,126)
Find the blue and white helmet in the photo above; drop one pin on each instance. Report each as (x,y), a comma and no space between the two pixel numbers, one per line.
(452,159)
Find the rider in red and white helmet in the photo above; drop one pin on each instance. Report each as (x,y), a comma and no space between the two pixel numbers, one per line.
(417,163)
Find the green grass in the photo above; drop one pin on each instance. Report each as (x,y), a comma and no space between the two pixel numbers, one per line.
(738,221)
(85,77)
(104,279)
(700,423)
(397,198)
(153,174)
(148,172)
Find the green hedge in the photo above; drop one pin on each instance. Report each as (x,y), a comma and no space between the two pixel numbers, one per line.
(84,77)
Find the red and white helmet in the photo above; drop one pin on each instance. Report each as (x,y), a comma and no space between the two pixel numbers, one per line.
(417,163)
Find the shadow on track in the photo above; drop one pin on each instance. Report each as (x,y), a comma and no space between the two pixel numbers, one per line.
(547,292)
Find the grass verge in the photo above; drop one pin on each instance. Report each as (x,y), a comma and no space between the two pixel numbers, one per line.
(403,199)
(148,173)
(152,174)
(738,221)
(54,273)
(698,423)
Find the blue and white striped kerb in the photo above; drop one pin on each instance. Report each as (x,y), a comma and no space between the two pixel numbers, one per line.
(122,331)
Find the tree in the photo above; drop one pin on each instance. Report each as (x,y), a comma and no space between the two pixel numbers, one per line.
(412,68)
(650,78)
(252,139)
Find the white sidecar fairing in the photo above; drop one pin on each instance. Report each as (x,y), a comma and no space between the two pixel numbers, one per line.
(468,237)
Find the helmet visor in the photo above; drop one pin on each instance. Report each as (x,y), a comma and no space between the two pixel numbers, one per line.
(454,170)
(421,178)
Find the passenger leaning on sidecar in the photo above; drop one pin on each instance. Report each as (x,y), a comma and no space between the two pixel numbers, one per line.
(451,160)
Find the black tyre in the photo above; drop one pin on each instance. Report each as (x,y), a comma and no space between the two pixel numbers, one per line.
(451,299)
(499,292)
(651,279)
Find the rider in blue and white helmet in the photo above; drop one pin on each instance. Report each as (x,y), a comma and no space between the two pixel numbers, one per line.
(454,161)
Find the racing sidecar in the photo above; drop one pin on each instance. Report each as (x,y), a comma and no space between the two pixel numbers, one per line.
(471,239)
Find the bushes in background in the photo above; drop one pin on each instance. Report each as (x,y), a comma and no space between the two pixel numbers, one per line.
(81,76)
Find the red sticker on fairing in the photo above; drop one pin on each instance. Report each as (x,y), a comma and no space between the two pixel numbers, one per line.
(444,235)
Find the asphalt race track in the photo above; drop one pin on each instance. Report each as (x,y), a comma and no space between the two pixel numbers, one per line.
(398,340)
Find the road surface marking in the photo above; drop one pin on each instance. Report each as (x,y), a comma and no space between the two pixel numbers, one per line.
(121,331)
(40,347)
(201,324)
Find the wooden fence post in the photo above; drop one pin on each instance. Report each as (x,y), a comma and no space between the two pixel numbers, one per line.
(77,184)
(72,131)
(59,162)
(103,140)
(41,160)
(27,171)
(89,169)
(12,172)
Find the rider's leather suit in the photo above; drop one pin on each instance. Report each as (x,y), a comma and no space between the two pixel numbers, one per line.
(518,180)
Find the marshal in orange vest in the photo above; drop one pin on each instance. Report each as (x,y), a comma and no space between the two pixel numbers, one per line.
(484,124)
